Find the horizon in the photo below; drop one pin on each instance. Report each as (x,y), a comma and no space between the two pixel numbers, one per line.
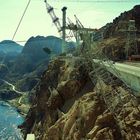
(38,22)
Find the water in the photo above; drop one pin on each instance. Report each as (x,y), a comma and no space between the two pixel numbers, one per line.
(9,120)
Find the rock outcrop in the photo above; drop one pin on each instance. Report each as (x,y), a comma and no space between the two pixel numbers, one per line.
(113,36)
(67,106)
(119,26)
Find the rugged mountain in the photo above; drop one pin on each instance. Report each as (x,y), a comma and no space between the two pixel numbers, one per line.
(9,50)
(68,106)
(3,70)
(25,69)
(33,52)
(113,36)
(11,47)
(120,24)
(35,44)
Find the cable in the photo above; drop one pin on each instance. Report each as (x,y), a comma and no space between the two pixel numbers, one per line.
(25,41)
(21,19)
(96,1)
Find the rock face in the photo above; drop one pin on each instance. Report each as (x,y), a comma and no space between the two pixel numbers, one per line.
(33,53)
(8,94)
(3,70)
(120,23)
(67,106)
(23,65)
(113,36)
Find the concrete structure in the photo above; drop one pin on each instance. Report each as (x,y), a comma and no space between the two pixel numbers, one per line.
(30,137)
(128,73)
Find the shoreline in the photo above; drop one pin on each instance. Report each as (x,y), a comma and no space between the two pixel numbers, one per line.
(21,108)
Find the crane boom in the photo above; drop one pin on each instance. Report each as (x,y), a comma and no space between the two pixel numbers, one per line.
(54,18)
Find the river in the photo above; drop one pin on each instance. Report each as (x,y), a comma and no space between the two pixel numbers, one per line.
(9,120)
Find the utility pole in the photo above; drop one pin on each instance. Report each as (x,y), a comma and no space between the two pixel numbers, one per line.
(64,29)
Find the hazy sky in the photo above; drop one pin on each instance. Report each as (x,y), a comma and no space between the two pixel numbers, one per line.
(91,13)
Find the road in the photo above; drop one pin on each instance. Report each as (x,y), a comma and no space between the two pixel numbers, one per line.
(19,101)
(12,86)
(130,69)
(130,74)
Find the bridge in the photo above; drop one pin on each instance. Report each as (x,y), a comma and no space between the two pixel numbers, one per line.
(128,72)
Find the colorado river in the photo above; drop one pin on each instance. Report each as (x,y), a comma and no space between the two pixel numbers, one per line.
(9,120)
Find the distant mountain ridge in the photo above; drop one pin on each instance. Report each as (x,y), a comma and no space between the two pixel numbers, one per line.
(33,53)
(120,24)
(35,45)
(9,46)
(113,36)
(28,65)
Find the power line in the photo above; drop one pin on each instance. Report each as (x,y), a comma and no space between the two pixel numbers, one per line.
(21,19)
(25,41)
(96,1)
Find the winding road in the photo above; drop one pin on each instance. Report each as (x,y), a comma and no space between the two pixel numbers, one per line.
(14,89)
(12,86)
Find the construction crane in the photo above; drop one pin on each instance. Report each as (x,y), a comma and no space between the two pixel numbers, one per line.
(97,71)
(54,18)
(77,29)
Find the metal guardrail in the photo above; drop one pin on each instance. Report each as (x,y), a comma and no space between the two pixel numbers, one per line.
(130,75)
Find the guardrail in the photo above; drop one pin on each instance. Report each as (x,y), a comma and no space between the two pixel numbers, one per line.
(129,74)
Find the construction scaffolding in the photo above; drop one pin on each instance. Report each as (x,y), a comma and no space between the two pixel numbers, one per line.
(98,71)
(76,30)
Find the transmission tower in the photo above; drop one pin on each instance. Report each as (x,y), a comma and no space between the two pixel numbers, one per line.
(131,41)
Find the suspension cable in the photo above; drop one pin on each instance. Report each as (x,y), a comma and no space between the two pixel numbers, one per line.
(21,19)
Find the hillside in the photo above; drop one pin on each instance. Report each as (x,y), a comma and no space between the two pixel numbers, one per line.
(68,106)
(33,53)
(25,68)
(120,23)
(8,46)
(113,36)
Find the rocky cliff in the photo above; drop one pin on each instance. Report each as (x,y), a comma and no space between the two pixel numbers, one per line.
(119,26)
(68,106)
(113,36)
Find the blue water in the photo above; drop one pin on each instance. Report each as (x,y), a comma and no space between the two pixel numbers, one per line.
(9,120)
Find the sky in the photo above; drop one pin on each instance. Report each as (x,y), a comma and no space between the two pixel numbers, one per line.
(92,13)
